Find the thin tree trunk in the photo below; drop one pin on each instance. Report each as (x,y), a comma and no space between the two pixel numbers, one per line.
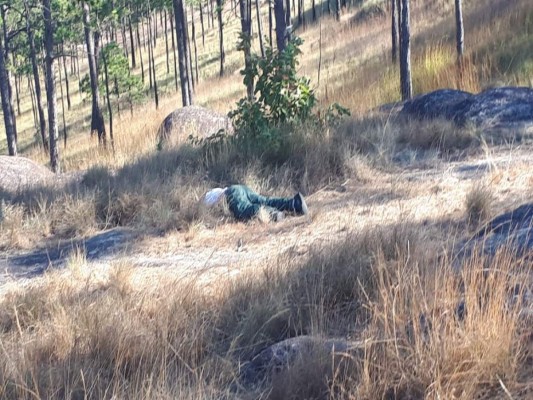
(246,23)
(67,87)
(338,10)
(260,28)
(132,44)
(193,32)
(50,87)
(97,119)
(405,55)
(166,41)
(17,88)
(63,100)
(173,33)
(139,45)
(181,36)
(270,22)
(313,6)
(8,71)
(221,37)
(190,82)
(281,27)
(394,31)
(124,41)
(202,23)
(150,51)
(109,107)
(460,35)
(6,107)
(36,79)
(33,105)
(212,13)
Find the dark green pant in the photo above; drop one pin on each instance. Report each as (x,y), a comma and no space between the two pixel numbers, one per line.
(244,203)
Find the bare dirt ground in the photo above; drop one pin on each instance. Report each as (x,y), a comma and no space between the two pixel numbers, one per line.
(429,193)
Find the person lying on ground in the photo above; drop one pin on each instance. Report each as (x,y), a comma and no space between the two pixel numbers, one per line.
(245,204)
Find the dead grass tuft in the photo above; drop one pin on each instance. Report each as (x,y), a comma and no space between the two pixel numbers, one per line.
(478,205)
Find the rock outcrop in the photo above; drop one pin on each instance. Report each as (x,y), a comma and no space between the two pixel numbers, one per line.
(191,120)
(502,114)
(513,229)
(280,356)
(18,173)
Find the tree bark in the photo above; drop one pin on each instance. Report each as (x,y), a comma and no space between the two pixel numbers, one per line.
(97,119)
(246,26)
(405,54)
(394,31)
(67,86)
(63,100)
(164,25)
(202,23)
(460,36)
(173,32)
(270,22)
(50,86)
(221,37)
(36,79)
(193,32)
(260,28)
(139,45)
(132,44)
(6,107)
(281,27)
(109,107)
(181,35)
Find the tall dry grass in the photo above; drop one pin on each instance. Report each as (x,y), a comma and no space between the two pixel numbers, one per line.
(426,330)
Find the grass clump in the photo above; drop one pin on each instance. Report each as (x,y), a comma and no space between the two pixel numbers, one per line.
(478,205)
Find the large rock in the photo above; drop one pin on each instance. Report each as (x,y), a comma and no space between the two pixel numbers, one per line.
(502,114)
(280,356)
(191,120)
(513,229)
(18,173)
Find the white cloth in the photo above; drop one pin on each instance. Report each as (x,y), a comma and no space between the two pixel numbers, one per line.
(213,196)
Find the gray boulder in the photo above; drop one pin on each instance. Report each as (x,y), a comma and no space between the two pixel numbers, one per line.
(193,121)
(282,355)
(502,114)
(19,173)
(513,229)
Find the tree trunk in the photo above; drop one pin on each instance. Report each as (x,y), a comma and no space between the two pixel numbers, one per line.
(173,33)
(202,23)
(166,42)
(33,105)
(281,27)
(97,119)
(67,86)
(132,44)
(140,52)
(50,87)
(338,10)
(109,107)
(246,25)
(181,35)
(460,36)
(193,32)
(17,81)
(124,41)
(394,31)
(270,22)
(6,107)
(63,100)
(150,52)
(8,72)
(260,28)
(36,79)
(313,6)
(221,37)
(405,54)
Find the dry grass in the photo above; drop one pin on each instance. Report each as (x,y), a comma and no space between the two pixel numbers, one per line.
(76,333)
(478,204)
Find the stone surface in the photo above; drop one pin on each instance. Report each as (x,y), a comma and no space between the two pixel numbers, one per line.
(282,355)
(513,229)
(501,114)
(197,121)
(18,173)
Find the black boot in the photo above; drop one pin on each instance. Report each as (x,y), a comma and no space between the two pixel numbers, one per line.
(299,204)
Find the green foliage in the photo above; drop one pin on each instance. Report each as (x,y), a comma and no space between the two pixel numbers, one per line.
(282,95)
